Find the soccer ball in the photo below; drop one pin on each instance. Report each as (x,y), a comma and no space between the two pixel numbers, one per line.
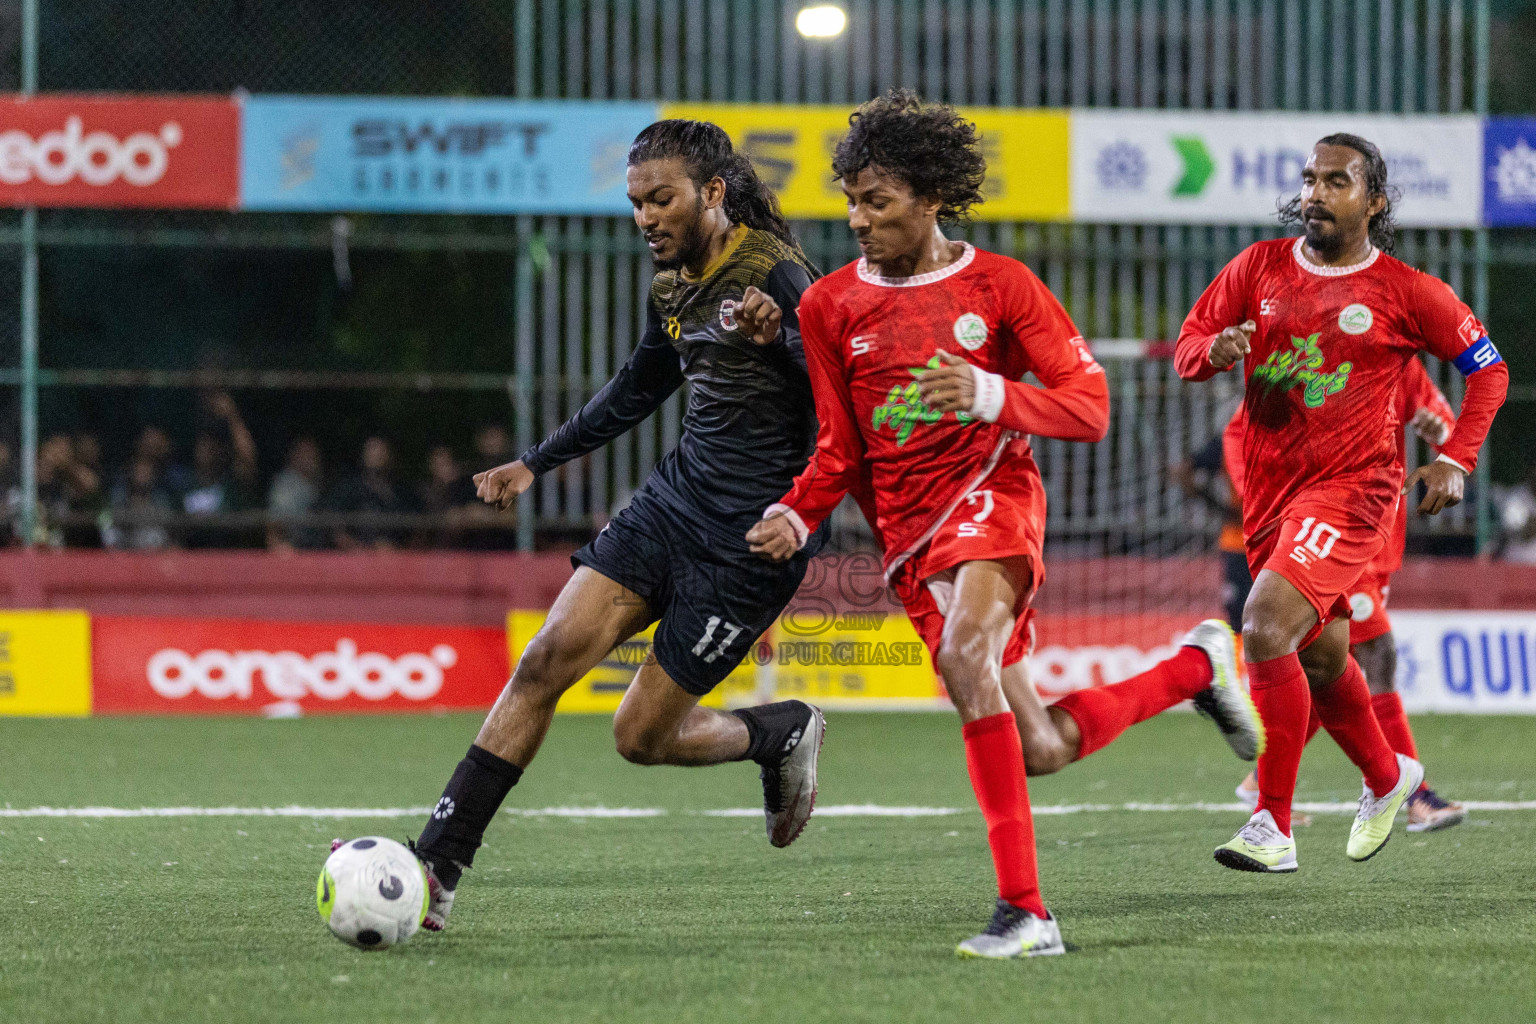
(372,893)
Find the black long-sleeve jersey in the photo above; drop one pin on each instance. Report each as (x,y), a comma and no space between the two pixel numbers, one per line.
(750,424)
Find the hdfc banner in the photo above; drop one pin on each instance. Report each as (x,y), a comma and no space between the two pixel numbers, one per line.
(106,151)
(1216,167)
(237,666)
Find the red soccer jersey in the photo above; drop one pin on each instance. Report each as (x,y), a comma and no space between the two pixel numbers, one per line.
(1416,392)
(868,338)
(1327,359)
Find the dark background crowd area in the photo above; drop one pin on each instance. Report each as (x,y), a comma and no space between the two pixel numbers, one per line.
(150,487)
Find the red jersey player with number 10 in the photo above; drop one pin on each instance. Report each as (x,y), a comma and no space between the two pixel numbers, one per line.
(1421,406)
(1325,326)
(916,354)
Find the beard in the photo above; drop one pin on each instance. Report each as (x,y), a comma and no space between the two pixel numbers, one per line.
(1323,236)
(691,246)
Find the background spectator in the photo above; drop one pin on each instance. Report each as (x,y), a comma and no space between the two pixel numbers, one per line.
(223,478)
(374,490)
(1517,519)
(493,447)
(295,491)
(67,490)
(142,504)
(448,492)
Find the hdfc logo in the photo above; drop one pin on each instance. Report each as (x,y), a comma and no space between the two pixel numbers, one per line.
(120,151)
(99,158)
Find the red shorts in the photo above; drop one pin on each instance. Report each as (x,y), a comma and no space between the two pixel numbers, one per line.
(1323,556)
(1368,608)
(1000,522)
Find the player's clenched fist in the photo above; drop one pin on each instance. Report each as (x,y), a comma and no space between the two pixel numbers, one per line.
(773,538)
(1444,485)
(502,485)
(758,316)
(1231,344)
(950,386)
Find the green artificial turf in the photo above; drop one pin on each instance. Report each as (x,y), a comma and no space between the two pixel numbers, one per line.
(685,917)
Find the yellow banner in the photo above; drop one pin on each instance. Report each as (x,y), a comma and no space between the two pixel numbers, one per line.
(1027,153)
(866,660)
(45,663)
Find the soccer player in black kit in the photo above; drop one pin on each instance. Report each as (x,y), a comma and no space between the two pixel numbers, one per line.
(721,315)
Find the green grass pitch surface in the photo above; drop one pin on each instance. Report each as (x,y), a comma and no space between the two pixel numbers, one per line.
(685,918)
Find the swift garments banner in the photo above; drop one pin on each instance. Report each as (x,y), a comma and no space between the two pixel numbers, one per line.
(238,666)
(111,151)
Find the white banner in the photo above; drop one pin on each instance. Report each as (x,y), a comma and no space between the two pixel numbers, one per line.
(1480,662)
(1169,166)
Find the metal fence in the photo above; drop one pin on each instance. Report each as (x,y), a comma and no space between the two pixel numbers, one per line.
(576,289)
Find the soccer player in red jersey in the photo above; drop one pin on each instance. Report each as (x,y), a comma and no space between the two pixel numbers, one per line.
(1421,406)
(1325,326)
(916,354)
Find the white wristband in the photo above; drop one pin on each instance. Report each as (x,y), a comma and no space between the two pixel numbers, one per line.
(990,391)
(1450,461)
(795,522)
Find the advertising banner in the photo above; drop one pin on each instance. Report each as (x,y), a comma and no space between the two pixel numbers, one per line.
(237,666)
(112,151)
(1473,662)
(791,147)
(1509,183)
(437,155)
(45,663)
(1155,166)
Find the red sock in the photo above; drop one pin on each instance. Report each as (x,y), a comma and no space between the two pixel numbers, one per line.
(1104,712)
(1344,705)
(1279,690)
(995,758)
(1313,724)
(1394,723)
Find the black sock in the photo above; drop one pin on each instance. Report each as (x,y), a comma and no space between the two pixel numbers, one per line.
(479,784)
(771,728)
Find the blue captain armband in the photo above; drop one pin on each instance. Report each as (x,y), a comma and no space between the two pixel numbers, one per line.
(1479,356)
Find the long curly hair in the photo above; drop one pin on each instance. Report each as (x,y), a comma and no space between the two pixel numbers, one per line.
(1382,229)
(930,147)
(706,152)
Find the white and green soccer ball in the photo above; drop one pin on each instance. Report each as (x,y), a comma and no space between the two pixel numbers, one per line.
(372,893)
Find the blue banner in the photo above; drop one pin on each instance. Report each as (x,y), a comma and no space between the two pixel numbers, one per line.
(436,155)
(1509,161)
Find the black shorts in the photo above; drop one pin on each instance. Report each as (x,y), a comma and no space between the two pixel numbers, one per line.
(714,599)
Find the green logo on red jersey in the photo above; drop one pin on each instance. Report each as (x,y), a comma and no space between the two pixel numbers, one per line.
(904,407)
(1302,367)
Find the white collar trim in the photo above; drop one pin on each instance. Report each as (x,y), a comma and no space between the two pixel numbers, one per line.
(954,268)
(1313,268)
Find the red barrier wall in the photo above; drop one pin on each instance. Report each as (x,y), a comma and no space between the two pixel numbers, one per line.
(479,588)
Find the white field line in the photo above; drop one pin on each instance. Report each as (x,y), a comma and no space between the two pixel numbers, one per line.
(845,811)
(832,811)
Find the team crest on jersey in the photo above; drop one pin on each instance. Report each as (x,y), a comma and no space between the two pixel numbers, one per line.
(970,331)
(1355,318)
(904,408)
(1361,607)
(728,314)
(1302,367)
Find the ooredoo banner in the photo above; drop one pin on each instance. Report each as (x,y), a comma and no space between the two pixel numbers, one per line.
(239,666)
(110,151)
